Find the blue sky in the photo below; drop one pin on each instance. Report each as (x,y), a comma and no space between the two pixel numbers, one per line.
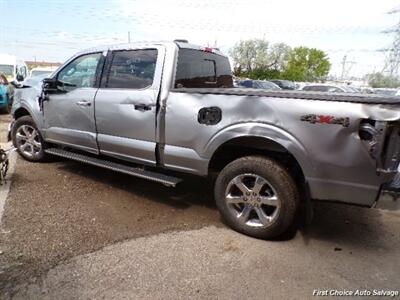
(53,30)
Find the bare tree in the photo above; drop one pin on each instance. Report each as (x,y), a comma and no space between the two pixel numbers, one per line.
(257,54)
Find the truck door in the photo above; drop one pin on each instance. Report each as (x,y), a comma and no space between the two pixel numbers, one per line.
(191,119)
(69,111)
(125,105)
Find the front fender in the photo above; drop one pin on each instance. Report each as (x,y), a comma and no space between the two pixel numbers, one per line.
(268,132)
(27,99)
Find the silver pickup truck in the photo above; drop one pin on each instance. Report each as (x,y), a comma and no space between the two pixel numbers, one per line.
(154,110)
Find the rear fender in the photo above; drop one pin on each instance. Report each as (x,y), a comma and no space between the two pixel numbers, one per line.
(267,132)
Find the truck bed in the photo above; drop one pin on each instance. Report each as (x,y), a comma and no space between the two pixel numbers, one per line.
(306,95)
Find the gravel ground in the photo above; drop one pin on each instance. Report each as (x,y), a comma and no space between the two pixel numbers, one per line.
(58,210)
(62,215)
(217,263)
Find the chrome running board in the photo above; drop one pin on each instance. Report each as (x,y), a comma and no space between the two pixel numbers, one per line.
(117,167)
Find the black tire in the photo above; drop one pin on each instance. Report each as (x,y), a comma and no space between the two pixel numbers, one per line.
(38,156)
(274,180)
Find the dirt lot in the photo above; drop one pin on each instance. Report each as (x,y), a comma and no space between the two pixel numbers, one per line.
(77,232)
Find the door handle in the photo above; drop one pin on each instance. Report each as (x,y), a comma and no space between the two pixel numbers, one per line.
(83,103)
(142,107)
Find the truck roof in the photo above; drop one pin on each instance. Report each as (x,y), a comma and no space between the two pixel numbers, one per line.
(127,46)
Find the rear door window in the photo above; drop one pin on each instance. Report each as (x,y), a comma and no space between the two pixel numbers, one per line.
(200,69)
(132,69)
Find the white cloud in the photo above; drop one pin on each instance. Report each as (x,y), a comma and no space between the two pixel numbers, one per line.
(334,26)
(338,27)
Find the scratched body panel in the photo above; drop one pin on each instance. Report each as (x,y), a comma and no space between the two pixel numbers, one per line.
(334,160)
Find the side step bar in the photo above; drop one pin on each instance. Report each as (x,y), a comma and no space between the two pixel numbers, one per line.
(149,175)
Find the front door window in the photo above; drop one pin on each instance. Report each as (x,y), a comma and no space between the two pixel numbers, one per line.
(80,73)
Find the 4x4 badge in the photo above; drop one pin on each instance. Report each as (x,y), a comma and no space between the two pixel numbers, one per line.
(321,119)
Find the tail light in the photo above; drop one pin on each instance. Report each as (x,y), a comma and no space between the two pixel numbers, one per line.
(208,49)
(382,140)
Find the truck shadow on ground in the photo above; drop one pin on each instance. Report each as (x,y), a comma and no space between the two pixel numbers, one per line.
(347,225)
(338,223)
(193,191)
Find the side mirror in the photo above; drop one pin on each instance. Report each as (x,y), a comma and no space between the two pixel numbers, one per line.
(49,85)
(20,78)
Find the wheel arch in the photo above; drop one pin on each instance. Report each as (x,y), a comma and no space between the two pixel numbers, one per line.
(20,112)
(24,108)
(255,138)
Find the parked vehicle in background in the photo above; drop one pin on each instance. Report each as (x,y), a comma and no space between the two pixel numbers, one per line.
(14,69)
(148,109)
(6,94)
(47,71)
(329,88)
(285,84)
(365,89)
(385,91)
(258,84)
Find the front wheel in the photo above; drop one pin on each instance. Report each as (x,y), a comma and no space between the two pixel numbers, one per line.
(256,196)
(27,139)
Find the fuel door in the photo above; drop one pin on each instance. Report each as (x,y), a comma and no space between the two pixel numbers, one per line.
(209,115)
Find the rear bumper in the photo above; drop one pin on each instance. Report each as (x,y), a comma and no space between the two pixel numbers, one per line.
(343,191)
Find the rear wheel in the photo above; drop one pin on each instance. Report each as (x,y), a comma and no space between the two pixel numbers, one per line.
(27,139)
(256,196)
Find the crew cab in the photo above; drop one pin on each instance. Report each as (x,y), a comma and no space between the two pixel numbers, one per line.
(155,110)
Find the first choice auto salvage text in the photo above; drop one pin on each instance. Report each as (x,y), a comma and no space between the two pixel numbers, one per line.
(344,293)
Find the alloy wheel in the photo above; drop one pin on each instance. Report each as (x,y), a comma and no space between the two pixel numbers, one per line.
(28,140)
(252,200)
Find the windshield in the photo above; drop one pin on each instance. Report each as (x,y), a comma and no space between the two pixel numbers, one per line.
(268,85)
(7,70)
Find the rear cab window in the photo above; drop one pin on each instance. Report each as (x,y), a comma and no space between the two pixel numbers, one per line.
(202,69)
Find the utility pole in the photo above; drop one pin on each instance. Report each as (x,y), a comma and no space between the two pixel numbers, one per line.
(392,63)
(129,36)
(346,66)
(343,66)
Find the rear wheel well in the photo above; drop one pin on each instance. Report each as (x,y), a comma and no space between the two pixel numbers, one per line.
(20,112)
(246,146)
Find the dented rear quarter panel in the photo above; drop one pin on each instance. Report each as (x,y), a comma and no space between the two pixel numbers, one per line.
(335,162)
